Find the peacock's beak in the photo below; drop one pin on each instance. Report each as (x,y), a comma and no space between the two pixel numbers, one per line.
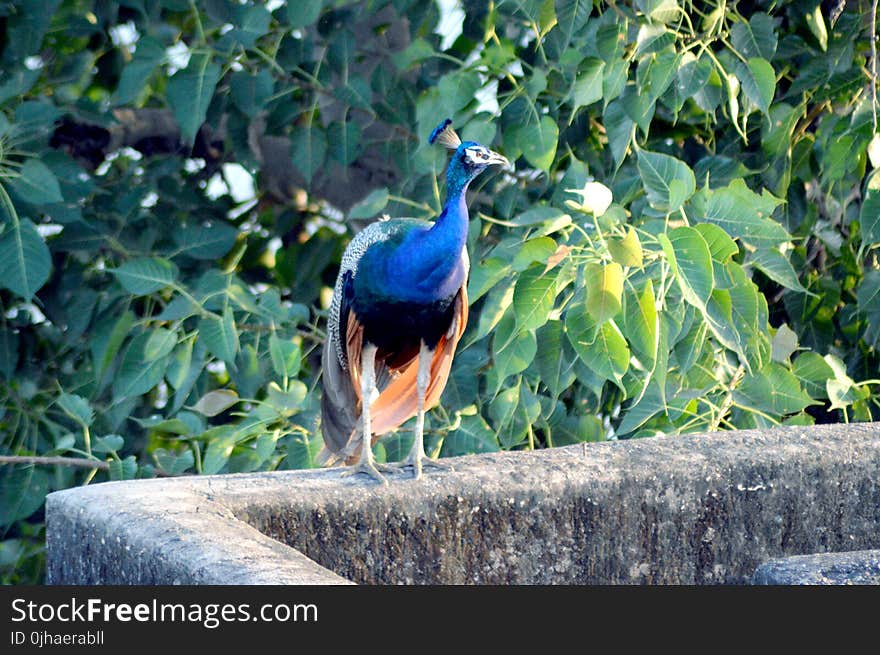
(498,159)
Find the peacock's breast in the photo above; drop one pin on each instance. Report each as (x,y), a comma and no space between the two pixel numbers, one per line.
(389,323)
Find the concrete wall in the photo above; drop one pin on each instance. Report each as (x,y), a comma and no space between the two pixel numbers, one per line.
(691,509)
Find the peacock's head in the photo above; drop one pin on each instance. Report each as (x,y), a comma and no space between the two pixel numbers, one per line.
(470,158)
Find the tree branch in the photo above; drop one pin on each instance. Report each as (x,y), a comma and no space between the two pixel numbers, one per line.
(55,461)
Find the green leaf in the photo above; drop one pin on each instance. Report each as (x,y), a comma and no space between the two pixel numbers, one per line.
(720,244)
(216,402)
(287,402)
(620,129)
(17,83)
(690,78)
(286,356)
(776,266)
(755,38)
(417,51)
(371,205)
(303,13)
(738,316)
(190,91)
(26,259)
(501,412)
(774,390)
(656,74)
(869,217)
(783,344)
(250,93)
(472,436)
(107,340)
(344,141)
(688,350)
(495,307)
(841,388)
(649,405)
(758,82)
(534,297)
(485,276)
(653,38)
(608,356)
(691,262)
(77,408)
(639,106)
(146,275)
(538,142)
(137,375)
(537,215)
(512,353)
(8,353)
(179,365)
(457,90)
(554,366)
(209,241)
(816,23)
(628,250)
(186,423)
(109,443)
(251,23)
(641,323)
(572,17)
(37,184)
(159,343)
(539,250)
(22,492)
(308,147)
(220,336)
(138,71)
(587,86)
(744,214)
(813,372)
(580,328)
(174,463)
(604,285)
(664,11)
(218,452)
(658,172)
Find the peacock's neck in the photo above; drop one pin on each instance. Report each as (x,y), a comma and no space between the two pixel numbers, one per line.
(450,228)
(428,264)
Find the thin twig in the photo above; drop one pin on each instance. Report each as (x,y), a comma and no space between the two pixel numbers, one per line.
(874,63)
(53,461)
(79,462)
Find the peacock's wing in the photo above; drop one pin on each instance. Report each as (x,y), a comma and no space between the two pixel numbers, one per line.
(340,402)
(398,401)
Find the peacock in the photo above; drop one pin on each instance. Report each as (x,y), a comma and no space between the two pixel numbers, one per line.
(398,310)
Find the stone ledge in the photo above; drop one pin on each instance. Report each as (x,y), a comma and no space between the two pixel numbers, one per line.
(857,568)
(689,509)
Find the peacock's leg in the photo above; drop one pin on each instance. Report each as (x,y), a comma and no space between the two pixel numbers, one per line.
(366,464)
(417,458)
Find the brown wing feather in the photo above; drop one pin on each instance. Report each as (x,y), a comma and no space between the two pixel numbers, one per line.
(398,401)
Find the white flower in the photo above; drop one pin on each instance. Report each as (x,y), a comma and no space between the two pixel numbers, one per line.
(596,198)
(874,151)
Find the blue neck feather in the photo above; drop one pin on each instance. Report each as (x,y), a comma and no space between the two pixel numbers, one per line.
(426,266)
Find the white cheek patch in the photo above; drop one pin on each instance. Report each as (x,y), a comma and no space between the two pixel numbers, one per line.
(476,156)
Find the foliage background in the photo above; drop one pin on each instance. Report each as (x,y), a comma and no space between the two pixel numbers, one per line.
(179,180)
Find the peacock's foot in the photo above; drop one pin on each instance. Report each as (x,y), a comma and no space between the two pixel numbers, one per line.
(369,468)
(418,462)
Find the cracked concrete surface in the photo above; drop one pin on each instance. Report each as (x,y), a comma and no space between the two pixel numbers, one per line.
(695,509)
